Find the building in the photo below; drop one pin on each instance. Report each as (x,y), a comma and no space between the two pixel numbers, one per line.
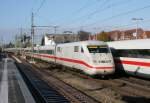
(128,34)
(51,39)
(48,39)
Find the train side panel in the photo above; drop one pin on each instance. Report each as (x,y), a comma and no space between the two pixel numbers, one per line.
(66,55)
(132,56)
(135,66)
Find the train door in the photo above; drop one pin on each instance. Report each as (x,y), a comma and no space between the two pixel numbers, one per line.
(55,53)
(76,56)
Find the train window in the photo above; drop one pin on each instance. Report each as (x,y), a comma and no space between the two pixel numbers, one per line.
(28,51)
(47,52)
(76,48)
(58,49)
(50,52)
(98,49)
(35,51)
(43,51)
(132,53)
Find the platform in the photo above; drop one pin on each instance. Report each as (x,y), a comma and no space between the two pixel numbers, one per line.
(12,87)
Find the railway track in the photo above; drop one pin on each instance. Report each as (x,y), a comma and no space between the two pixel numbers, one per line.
(124,86)
(72,94)
(139,81)
(137,85)
(39,89)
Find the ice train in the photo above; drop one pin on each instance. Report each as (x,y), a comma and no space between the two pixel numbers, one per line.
(91,57)
(133,56)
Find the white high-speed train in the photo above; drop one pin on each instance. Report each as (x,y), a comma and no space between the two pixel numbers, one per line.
(133,56)
(91,57)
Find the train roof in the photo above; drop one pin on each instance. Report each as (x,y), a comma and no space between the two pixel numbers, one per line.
(46,47)
(130,44)
(13,49)
(89,42)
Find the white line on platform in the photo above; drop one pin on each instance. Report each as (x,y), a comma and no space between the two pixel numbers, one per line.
(19,61)
(4,85)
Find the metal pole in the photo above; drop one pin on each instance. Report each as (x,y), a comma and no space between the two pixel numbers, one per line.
(55,29)
(32,35)
(137,20)
(21,40)
(137,30)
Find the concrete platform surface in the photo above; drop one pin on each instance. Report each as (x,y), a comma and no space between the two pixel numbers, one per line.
(12,87)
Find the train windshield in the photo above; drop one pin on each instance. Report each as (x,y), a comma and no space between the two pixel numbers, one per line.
(98,49)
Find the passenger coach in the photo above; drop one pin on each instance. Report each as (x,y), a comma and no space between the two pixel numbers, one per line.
(133,56)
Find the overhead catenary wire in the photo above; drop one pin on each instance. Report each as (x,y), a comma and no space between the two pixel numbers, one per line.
(107,7)
(41,5)
(81,9)
(95,12)
(110,27)
(87,17)
(85,6)
(126,25)
(118,15)
(101,5)
(37,11)
(77,11)
(79,18)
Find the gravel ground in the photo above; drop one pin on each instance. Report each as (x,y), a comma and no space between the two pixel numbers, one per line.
(91,88)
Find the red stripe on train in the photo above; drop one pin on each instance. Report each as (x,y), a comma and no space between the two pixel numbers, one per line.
(74,61)
(133,63)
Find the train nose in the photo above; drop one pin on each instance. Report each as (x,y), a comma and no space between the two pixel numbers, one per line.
(103,70)
(106,72)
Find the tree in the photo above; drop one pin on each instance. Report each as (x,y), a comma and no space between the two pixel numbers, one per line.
(103,36)
(83,35)
(28,44)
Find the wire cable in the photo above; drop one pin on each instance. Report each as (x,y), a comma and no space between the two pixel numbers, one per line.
(86,6)
(85,16)
(42,3)
(121,14)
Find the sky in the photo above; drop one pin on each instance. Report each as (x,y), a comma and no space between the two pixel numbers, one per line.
(71,15)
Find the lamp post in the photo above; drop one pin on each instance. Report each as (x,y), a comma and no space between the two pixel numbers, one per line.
(137,21)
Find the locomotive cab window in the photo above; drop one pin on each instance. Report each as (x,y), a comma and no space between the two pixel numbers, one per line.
(98,49)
